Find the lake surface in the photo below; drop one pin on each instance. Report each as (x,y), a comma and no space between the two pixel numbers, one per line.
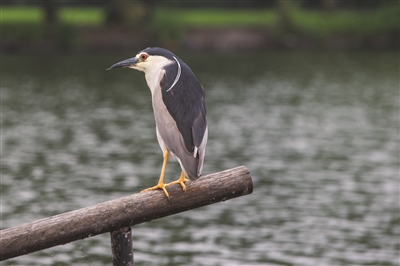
(319,133)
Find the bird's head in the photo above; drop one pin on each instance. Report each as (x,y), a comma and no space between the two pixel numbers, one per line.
(149,59)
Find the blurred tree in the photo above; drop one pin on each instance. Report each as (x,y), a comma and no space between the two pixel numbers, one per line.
(50,11)
(149,7)
(130,12)
(113,12)
(329,5)
(284,20)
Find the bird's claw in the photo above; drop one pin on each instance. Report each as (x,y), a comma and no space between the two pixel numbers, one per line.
(179,181)
(158,186)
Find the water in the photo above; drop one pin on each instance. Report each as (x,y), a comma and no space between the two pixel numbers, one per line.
(318,131)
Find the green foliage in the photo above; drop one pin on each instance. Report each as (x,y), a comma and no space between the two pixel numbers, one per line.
(82,16)
(166,26)
(26,23)
(21,15)
(364,22)
(12,15)
(66,15)
(215,17)
(174,21)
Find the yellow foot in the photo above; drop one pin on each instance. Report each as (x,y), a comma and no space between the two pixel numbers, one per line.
(180,181)
(159,186)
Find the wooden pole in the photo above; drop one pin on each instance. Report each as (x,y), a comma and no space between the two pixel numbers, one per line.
(126,211)
(121,246)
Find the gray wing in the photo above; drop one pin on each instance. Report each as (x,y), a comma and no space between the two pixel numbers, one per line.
(185,103)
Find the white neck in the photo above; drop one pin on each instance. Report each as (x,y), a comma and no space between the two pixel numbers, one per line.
(154,71)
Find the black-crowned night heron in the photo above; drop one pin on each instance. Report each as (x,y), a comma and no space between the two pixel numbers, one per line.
(179,110)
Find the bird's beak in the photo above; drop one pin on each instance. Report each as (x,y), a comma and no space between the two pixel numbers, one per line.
(125,63)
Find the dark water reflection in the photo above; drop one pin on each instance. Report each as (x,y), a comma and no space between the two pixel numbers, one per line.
(319,133)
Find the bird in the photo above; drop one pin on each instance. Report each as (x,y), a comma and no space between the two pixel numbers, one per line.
(178,101)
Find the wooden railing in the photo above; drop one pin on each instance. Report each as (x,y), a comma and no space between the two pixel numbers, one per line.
(116,216)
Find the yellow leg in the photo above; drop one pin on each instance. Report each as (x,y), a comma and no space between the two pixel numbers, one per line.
(161,184)
(180,181)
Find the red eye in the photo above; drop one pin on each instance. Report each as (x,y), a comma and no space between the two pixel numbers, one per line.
(143,57)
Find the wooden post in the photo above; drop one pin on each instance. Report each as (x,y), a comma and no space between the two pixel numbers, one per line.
(126,211)
(121,246)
